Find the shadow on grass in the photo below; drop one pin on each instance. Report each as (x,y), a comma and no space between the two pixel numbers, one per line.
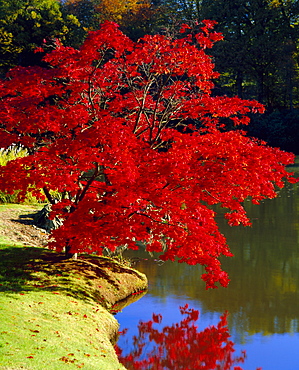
(13,272)
(25,269)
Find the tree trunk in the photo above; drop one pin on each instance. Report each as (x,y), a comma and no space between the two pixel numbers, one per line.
(69,255)
(239,84)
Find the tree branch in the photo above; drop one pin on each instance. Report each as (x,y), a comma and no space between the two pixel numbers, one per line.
(48,195)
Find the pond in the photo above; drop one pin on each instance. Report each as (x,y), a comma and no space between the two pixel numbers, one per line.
(262,298)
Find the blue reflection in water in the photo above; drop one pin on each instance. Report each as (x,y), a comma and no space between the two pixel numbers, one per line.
(202,346)
(273,352)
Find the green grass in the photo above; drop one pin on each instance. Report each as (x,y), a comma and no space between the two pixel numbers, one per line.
(48,318)
(21,207)
(43,331)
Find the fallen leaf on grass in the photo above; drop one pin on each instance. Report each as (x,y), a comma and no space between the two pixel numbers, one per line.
(67,359)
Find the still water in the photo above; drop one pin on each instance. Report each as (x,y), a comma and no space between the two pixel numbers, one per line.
(262,298)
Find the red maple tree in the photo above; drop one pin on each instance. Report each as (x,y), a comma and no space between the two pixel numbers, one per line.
(131,136)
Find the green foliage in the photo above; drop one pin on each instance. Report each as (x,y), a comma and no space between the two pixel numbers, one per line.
(257,46)
(6,198)
(84,11)
(172,11)
(11,154)
(25,25)
(135,18)
(258,58)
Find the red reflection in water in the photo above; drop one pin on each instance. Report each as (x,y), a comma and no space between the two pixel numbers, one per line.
(181,346)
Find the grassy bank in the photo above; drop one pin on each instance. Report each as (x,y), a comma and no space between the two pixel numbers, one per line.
(49,328)
(51,310)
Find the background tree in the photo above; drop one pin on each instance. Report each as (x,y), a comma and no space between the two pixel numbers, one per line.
(85,11)
(289,11)
(136,18)
(111,127)
(258,58)
(145,19)
(115,10)
(182,10)
(25,25)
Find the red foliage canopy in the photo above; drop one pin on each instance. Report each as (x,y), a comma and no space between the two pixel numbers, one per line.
(131,136)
